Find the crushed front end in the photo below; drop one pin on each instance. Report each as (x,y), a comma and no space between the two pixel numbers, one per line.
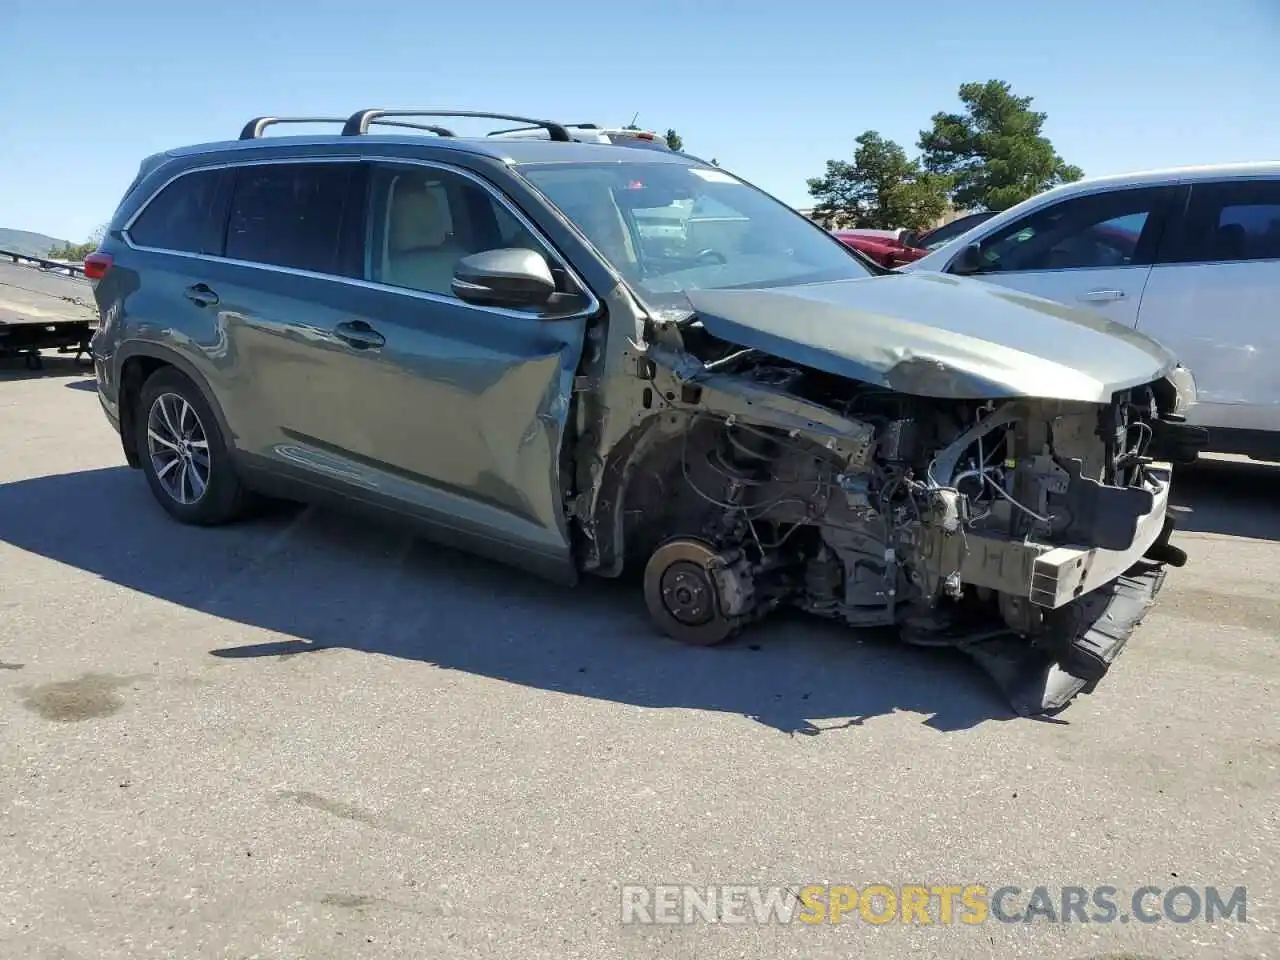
(1032,534)
(1037,539)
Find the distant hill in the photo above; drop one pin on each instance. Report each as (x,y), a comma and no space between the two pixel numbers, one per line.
(28,243)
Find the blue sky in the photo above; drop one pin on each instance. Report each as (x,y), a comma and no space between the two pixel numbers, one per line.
(771,89)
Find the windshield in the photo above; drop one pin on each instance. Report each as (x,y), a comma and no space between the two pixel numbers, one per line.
(669,228)
(945,234)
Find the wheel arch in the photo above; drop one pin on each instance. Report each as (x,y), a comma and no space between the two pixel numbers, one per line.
(640,473)
(137,362)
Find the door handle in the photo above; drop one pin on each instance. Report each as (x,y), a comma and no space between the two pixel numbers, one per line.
(359,334)
(1102,296)
(201,295)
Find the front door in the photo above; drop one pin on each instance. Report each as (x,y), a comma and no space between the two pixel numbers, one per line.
(458,412)
(1093,252)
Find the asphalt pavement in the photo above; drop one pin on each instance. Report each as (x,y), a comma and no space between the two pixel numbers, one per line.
(302,736)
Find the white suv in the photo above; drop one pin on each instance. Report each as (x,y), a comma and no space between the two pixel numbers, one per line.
(1188,256)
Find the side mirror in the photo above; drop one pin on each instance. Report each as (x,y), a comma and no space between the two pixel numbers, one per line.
(969,261)
(507,277)
(909,238)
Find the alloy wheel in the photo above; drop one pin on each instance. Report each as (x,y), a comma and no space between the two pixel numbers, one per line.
(178,447)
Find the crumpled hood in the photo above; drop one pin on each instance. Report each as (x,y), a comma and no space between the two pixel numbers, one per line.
(938,336)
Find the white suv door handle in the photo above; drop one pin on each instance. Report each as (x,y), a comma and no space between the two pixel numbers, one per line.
(1098,296)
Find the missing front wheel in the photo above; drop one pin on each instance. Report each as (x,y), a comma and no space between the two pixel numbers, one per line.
(695,594)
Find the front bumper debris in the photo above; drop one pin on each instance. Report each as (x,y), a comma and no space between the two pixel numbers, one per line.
(1092,599)
(1064,574)
(1088,638)
(1048,576)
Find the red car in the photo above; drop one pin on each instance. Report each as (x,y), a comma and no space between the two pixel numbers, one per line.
(886,251)
(894,248)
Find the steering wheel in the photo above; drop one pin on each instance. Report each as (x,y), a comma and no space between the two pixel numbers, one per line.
(714,256)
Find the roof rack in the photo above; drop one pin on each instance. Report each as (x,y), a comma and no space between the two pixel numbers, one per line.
(542,126)
(358,123)
(438,131)
(254,129)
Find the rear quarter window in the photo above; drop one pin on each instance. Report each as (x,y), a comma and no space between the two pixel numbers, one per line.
(1229,222)
(184,216)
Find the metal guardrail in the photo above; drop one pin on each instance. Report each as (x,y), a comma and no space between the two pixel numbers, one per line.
(44,263)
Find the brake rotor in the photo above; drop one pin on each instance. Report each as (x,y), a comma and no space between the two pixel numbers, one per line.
(682,595)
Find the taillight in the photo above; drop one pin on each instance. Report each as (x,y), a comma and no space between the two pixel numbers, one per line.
(644,136)
(96,265)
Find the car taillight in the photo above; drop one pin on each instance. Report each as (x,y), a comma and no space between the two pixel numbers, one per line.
(644,136)
(96,265)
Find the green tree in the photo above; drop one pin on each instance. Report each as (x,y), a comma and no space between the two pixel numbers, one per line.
(994,149)
(882,188)
(78,251)
(673,140)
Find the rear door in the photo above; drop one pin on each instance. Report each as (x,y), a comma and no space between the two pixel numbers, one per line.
(1092,251)
(1214,299)
(293,241)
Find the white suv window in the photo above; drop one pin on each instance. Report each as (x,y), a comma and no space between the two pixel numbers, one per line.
(1102,230)
(1229,222)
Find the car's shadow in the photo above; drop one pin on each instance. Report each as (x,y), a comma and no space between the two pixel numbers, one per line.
(1237,498)
(326,581)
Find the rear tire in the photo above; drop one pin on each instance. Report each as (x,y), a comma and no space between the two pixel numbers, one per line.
(183,453)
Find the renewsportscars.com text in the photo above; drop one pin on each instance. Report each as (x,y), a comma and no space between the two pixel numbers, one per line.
(967,904)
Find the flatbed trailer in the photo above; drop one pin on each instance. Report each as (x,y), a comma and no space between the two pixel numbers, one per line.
(44,305)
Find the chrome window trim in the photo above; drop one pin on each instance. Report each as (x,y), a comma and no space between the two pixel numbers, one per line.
(1212,263)
(207,167)
(593,302)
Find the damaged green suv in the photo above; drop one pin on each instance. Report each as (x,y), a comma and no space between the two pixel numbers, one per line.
(490,337)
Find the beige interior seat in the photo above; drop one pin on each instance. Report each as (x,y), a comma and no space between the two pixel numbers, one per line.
(420,250)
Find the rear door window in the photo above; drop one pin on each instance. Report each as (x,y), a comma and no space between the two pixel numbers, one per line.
(1229,222)
(307,216)
(1114,229)
(186,216)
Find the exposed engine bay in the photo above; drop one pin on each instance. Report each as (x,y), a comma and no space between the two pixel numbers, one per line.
(1030,533)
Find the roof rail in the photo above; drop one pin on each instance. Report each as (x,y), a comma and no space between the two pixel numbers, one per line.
(438,131)
(255,127)
(543,126)
(358,123)
(494,133)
